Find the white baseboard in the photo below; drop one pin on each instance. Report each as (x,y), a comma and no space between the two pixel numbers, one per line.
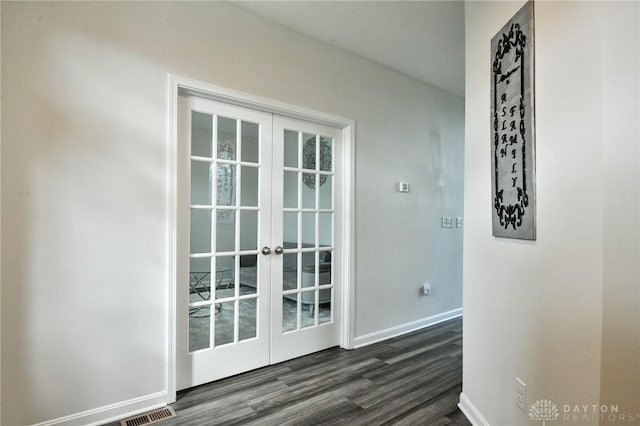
(110,413)
(471,412)
(399,330)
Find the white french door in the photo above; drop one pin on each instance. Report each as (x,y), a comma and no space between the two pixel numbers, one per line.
(304,290)
(258,249)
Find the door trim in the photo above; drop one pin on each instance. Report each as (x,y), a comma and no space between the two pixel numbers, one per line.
(178,85)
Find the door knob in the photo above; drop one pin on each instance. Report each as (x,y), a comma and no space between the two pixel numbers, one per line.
(279,250)
(266,250)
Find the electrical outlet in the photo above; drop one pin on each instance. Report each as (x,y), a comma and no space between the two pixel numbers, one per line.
(426,289)
(458,222)
(521,395)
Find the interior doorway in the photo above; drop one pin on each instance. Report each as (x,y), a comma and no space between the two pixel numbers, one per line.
(259,239)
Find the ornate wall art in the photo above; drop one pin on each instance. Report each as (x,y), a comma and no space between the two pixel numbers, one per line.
(226,181)
(309,161)
(513,132)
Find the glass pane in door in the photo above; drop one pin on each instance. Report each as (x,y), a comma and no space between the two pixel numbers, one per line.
(325,193)
(201,134)
(225,230)
(225,277)
(290,149)
(308,317)
(324,306)
(249,191)
(247,318)
(325,229)
(200,231)
(226,185)
(289,312)
(326,154)
(290,189)
(199,328)
(308,191)
(226,146)
(309,151)
(224,320)
(250,142)
(201,188)
(199,279)
(290,271)
(248,274)
(248,230)
(290,230)
(308,229)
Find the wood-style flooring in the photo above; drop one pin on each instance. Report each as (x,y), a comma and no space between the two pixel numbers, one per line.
(414,379)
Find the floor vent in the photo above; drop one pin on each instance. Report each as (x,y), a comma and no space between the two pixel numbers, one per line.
(149,418)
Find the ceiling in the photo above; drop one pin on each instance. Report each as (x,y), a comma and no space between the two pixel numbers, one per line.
(421,39)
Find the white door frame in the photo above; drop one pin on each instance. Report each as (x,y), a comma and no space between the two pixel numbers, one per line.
(181,85)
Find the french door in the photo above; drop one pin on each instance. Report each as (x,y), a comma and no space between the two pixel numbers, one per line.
(258,242)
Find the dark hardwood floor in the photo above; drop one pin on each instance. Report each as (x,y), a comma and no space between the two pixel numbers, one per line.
(414,379)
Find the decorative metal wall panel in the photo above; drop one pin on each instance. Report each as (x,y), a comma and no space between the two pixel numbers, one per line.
(513,132)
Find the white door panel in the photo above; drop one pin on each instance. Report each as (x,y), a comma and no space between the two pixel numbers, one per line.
(224,174)
(305,278)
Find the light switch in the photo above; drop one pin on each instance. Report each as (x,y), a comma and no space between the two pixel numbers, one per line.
(447,222)
(458,222)
(403,187)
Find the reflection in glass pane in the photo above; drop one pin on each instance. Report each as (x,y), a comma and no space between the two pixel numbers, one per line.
(248,274)
(225,230)
(200,227)
(324,256)
(290,229)
(226,185)
(308,230)
(224,323)
(289,271)
(326,192)
(199,328)
(199,279)
(308,269)
(324,311)
(249,190)
(308,316)
(225,276)
(248,230)
(226,138)
(290,189)
(201,133)
(309,152)
(250,141)
(290,148)
(325,229)
(324,270)
(308,191)
(200,183)
(326,154)
(289,312)
(247,319)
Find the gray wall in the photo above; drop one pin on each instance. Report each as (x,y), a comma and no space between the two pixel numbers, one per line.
(84,185)
(560,313)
